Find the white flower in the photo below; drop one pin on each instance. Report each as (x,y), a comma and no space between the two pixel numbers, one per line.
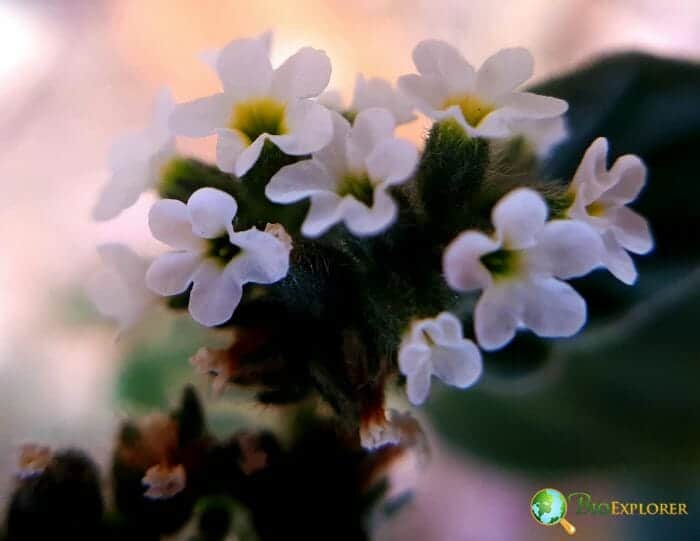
(517,269)
(164,481)
(136,162)
(370,93)
(600,199)
(436,347)
(259,103)
(119,292)
(347,180)
(211,255)
(483,102)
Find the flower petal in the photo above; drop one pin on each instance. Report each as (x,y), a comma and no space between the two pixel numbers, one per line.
(567,249)
(450,328)
(376,92)
(528,105)
(437,58)
(427,91)
(333,156)
(229,146)
(171,273)
(504,71)
(297,181)
(248,156)
(310,129)
(130,267)
(305,74)
(459,365)
(370,127)
(618,261)
(264,258)
(631,174)
(418,386)
(201,117)
(121,191)
(324,212)
(552,308)
(244,68)
(632,231)
(169,221)
(215,294)
(518,217)
(362,221)
(392,161)
(211,212)
(591,177)
(412,357)
(496,316)
(461,262)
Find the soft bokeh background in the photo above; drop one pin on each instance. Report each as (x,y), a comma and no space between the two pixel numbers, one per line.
(74,74)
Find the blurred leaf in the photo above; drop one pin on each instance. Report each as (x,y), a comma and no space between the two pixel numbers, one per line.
(623,393)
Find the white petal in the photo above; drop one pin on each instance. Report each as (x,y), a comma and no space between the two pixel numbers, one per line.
(130,267)
(248,156)
(215,294)
(519,217)
(303,75)
(461,262)
(370,127)
(201,117)
(169,221)
(527,105)
(418,386)
(392,161)
(324,212)
(334,155)
(543,134)
(631,174)
(121,191)
(264,259)
(412,357)
(567,249)
(459,365)
(553,308)
(331,99)
(503,72)
(632,231)
(591,172)
(618,261)
(115,300)
(496,316)
(428,92)
(310,129)
(297,181)
(163,105)
(172,273)
(211,212)
(244,68)
(376,92)
(229,146)
(362,221)
(450,328)
(437,58)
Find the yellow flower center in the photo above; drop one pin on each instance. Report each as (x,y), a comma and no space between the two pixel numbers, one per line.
(358,186)
(596,209)
(473,108)
(254,117)
(502,264)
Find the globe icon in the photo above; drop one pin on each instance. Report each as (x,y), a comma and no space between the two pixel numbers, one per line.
(548,507)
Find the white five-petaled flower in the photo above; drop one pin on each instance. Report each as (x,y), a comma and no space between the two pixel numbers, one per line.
(518,268)
(600,199)
(119,292)
(369,93)
(209,254)
(483,102)
(260,103)
(163,481)
(347,180)
(436,347)
(136,162)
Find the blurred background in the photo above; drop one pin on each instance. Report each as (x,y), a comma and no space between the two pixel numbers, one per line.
(75,74)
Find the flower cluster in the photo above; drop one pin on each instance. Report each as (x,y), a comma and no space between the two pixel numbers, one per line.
(354,254)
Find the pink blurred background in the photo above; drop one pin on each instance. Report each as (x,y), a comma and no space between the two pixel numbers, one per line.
(75,73)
